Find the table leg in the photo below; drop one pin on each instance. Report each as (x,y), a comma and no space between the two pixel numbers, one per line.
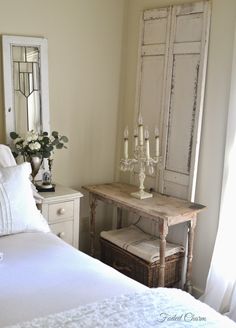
(119,218)
(163,230)
(93,204)
(191,226)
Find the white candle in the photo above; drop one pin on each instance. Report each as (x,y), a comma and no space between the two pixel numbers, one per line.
(140,129)
(146,135)
(157,143)
(126,141)
(135,139)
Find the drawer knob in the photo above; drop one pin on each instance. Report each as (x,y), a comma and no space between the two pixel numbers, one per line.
(61,211)
(61,234)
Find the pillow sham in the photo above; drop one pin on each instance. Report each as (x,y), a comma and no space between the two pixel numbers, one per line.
(7,159)
(18,211)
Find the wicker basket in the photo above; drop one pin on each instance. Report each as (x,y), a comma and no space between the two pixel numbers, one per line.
(138,269)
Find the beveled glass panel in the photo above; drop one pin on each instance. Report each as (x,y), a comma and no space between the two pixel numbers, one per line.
(32,54)
(34,111)
(36,76)
(26,81)
(18,53)
(26,85)
(21,118)
(26,67)
(31,83)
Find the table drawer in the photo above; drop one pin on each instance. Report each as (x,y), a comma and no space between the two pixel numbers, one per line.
(64,230)
(60,211)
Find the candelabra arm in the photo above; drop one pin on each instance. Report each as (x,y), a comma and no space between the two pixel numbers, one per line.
(127,164)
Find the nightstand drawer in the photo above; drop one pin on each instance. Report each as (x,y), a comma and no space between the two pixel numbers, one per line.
(64,230)
(60,211)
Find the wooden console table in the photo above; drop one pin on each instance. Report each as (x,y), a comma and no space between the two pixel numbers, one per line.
(165,210)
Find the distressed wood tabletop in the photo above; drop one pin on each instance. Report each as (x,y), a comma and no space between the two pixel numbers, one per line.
(160,206)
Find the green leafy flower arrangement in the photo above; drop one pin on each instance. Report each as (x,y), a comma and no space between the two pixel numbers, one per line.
(37,144)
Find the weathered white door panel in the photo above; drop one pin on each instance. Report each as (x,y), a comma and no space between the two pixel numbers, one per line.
(151,90)
(151,93)
(155,31)
(156,13)
(175,188)
(170,90)
(189,27)
(153,50)
(182,109)
(187,48)
(175,177)
(184,101)
(191,8)
(151,76)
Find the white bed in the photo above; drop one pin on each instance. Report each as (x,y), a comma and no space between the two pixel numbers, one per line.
(46,283)
(40,274)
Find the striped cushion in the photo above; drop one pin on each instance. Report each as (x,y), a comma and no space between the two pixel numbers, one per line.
(139,243)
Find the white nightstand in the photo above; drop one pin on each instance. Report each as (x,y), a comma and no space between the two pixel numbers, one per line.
(61,209)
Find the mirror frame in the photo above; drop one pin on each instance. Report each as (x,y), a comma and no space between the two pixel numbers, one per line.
(42,44)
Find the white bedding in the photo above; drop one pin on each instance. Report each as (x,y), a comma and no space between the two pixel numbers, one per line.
(160,307)
(40,275)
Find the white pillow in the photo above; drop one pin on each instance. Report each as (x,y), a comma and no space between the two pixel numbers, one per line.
(18,211)
(7,159)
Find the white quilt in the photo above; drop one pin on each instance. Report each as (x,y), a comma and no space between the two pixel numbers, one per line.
(40,274)
(160,307)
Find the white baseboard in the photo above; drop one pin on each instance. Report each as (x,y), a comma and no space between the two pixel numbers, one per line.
(197,292)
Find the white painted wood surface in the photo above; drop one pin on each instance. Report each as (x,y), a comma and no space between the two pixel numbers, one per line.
(151,75)
(7,43)
(170,89)
(184,106)
(62,211)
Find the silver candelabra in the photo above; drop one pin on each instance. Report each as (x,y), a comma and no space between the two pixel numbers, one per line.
(142,159)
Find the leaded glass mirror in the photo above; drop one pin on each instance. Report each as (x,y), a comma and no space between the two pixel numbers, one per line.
(25,69)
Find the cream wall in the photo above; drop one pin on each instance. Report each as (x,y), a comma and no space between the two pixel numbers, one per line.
(85,47)
(214,120)
(84,39)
